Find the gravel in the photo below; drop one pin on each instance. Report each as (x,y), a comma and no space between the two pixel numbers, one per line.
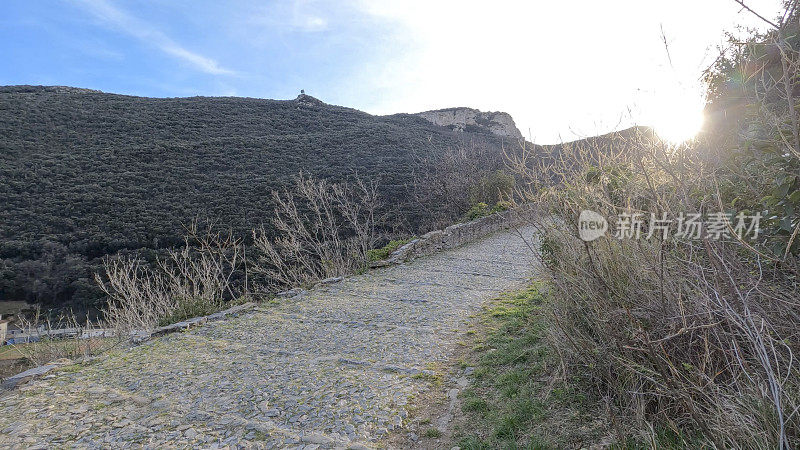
(331,367)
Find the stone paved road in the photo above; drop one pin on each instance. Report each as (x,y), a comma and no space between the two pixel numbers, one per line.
(334,367)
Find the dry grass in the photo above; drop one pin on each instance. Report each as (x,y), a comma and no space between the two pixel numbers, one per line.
(689,341)
(323,230)
(191,281)
(70,347)
(43,346)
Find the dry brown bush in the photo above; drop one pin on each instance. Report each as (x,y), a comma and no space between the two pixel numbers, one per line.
(190,281)
(690,342)
(448,183)
(697,337)
(692,337)
(50,339)
(323,230)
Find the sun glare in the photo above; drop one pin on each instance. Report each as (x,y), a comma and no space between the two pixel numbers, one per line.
(678,118)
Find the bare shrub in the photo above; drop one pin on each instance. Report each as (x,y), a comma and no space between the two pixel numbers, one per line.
(448,183)
(190,281)
(323,230)
(691,342)
(694,338)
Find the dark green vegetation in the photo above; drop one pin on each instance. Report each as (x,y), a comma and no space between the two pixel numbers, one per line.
(751,114)
(481,209)
(514,399)
(378,254)
(85,174)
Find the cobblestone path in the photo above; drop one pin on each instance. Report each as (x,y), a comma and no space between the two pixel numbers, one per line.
(334,367)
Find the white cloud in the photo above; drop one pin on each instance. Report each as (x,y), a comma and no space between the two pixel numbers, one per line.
(307,15)
(134,27)
(312,23)
(295,15)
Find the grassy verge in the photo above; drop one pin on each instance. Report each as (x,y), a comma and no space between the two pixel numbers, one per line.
(515,398)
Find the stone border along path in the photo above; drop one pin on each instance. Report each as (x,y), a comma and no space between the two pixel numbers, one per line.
(332,367)
(137,338)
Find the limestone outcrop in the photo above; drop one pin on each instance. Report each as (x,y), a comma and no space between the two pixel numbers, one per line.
(464,119)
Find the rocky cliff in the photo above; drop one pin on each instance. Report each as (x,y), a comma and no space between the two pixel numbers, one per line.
(468,119)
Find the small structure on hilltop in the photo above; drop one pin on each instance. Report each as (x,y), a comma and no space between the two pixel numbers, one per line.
(306,100)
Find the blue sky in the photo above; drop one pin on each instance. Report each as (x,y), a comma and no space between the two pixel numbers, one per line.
(182,48)
(562,70)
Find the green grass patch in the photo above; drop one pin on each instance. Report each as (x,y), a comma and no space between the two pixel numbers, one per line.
(260,436)
(481,209)
(190,308)
(431,377)
(433,433)
(475,404)
(72,368)
(379,254)
(510,402)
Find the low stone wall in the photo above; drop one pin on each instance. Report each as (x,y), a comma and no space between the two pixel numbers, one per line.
(140,336)
(456,235)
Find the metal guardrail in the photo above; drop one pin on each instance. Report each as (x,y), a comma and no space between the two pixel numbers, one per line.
(27,336)
(137,337)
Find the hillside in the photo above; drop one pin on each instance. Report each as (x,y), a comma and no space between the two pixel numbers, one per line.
(86,174)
